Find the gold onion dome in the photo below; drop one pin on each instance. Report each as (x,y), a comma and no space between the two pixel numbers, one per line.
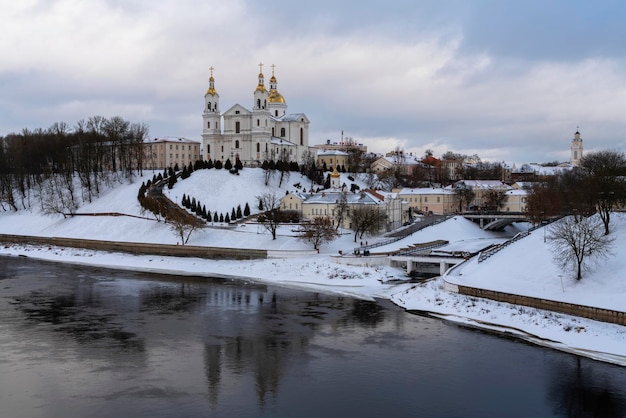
(211,89)
(335,173)
(275,97)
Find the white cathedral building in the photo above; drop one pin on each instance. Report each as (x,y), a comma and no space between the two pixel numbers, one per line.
(267,132)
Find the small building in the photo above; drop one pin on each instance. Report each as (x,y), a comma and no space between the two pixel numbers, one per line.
(330,202)
(332,158)
(481,189)
(516,201)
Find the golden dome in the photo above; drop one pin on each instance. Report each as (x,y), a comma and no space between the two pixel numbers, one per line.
(260,88)
(335,173)
(275,97)
(273,79)
(211,91)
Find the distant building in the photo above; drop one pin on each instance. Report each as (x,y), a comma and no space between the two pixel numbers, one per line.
(332,158)
(576,150)
(267,132)
(439,201)
(160,153)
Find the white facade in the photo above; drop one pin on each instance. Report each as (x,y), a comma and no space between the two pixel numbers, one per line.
(267,132)
(576,150)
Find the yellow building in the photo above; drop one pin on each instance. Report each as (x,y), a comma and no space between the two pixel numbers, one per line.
(161,153)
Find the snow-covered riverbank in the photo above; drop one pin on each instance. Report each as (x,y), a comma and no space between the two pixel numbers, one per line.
(525,267)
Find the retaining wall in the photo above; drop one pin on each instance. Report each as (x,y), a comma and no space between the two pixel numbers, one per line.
(597,314)
(140,248)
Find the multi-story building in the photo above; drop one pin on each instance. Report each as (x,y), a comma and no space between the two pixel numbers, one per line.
(160,153)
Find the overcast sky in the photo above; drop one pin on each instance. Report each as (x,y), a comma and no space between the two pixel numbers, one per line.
(509,80)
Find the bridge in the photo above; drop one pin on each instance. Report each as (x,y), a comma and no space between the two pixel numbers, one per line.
(436,257)
(496,221)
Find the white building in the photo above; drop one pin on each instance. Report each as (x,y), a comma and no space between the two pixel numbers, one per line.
(267,132)
(576,150)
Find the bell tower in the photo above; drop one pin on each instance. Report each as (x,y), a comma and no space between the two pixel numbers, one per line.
(211,118)
(576,150)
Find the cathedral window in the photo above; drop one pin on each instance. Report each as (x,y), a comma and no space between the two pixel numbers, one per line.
(208,125)
(258,102)
(236,112)
(258,122)
(273,132)
(209,105)
(301,136)
(237,144)
(276,113)
(282,132)
(237,127)
(208,149)
(258,147)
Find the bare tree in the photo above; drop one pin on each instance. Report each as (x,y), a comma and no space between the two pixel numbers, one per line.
(318,231)
(183,224)
(366,219)
(578,240)
(465,196)
(605,174)
(271,217)
(495,199)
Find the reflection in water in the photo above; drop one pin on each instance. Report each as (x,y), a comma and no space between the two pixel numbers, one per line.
(577,391)
(120,343)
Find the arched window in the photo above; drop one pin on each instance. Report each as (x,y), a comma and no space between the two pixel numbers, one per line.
(208,125)
(237,144)
(208,149)
(209,105)
(282,132)
(258,102)
(276,113)
(237,127)
(265,147)
(258,122)
(258,147)
(301,136)
(273,134)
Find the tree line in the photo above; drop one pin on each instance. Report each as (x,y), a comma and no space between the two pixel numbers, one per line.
(97,151)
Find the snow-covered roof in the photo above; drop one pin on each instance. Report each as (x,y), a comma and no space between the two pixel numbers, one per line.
(332,197)
(426,190)
(483,184)
(282,141)
(321,152)
(171,139)
(293,117)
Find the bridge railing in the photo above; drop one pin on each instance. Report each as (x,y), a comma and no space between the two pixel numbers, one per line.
(363,248)
(420,248)
(491,251)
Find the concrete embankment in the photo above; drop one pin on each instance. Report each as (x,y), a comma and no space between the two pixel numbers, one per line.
(140,248)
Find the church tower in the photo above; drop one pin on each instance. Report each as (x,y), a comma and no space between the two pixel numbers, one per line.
(258,142)
(211,118)
(277,104)
(576,150)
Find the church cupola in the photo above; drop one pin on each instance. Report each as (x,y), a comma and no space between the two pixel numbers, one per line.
(211,98)
(335,179)
(261,86)
(275,96)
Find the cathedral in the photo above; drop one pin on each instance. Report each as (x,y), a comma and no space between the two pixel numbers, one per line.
(267,132)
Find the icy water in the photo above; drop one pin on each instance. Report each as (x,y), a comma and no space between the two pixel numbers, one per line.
(88,342)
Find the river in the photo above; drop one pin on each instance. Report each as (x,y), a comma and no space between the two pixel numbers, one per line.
(82,341)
